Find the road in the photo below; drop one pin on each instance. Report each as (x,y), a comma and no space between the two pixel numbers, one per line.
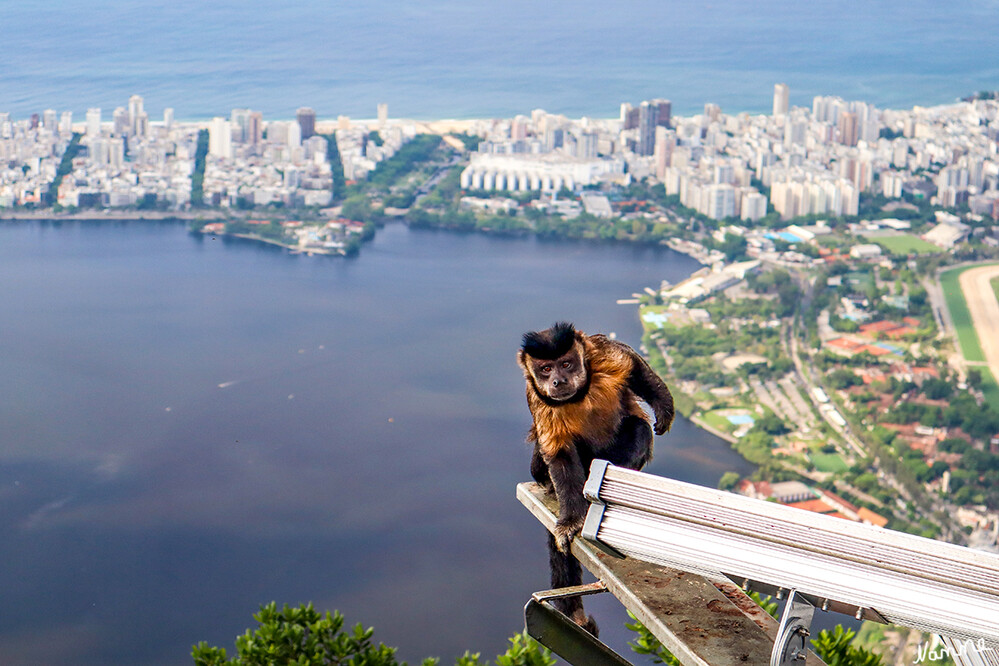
(428,186)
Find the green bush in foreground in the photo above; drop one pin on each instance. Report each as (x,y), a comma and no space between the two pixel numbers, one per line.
(302,636)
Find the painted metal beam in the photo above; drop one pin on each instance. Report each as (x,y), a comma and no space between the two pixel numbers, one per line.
(905,579)
(702,622)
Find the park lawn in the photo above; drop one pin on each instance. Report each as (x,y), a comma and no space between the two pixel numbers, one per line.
(717,421)
(906,244)
(643,310)
(990,388)
(828,462)
(960,315)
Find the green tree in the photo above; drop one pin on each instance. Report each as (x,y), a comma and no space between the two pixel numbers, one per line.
(198,177)
(836,649)
(302,636)
(728,481)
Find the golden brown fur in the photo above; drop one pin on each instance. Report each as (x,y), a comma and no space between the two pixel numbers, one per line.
(598,414)
(583,393)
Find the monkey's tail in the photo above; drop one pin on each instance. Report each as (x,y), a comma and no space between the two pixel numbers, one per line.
(567,572)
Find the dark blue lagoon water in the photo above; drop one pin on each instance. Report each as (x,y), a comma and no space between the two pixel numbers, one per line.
(191,428)
(450,59)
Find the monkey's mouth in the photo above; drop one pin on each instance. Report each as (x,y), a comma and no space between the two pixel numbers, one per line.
(562,393)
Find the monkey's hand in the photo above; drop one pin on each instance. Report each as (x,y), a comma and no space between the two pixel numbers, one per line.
(565,530)
(664,417)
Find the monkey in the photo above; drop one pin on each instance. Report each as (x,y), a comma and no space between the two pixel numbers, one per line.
(582,392)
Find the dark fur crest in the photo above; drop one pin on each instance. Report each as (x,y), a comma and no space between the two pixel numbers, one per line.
(551,344)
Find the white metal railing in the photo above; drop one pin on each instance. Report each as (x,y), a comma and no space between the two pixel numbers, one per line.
(881,574)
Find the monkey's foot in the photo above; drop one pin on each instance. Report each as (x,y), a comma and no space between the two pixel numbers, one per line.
(565,531)
(586,622)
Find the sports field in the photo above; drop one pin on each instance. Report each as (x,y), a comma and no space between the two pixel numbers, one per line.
(960,315)
(963,320)
(829,462)
(905,244)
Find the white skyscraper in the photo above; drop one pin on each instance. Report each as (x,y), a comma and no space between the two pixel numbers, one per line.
(120,124)
(240,119)
(382,114)
(66,122)
(294,134)
(782,96)
(220,138)
(168,117)
(134,111)
(116,153)
(49,120)
(93,122)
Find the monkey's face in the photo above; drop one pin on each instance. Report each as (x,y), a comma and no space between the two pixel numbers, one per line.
(562,378)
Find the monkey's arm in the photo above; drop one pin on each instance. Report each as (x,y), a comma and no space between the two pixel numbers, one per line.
(648,386)
(568,476)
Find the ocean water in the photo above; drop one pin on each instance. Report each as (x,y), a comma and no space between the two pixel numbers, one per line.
(450,59)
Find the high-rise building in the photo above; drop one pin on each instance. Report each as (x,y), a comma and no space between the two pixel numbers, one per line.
(306,121)
(625,110)
(220,138)
(255,134)
(116,153)
(141,127)
(648,114)
(240,119)
(795,132)
(663,153)
(382,114)
(712,112)
(848,128)
(664,113)
(97,151)
(634,117)
(518,128)
(134,111)
(66,122)
(93,122)
(168,117)
(295,134)
(49,120)
(120,124)
(782,97)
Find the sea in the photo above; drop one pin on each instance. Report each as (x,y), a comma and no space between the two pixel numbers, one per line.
(461,59)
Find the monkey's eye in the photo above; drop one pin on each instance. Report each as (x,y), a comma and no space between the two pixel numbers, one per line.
(566,365)
(546,369)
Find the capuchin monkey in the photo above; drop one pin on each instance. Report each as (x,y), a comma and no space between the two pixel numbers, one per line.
(583,393)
